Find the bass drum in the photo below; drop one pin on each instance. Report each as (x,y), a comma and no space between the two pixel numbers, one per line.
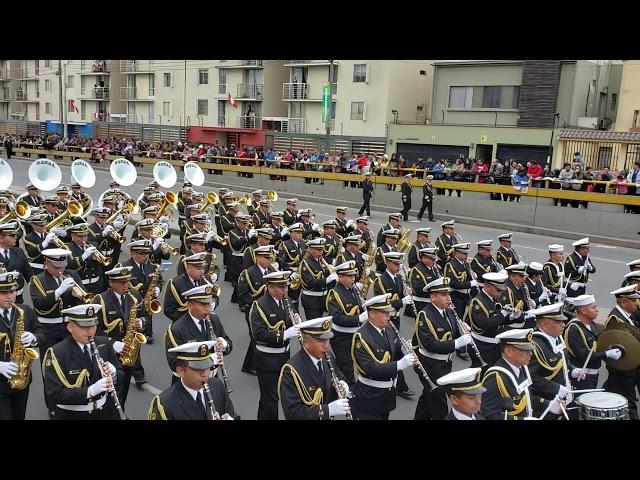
(603,406)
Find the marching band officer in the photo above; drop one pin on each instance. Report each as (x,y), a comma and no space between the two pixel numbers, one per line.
(623,382)
(390,237)
(13,258)
(377,359)
(367,193)
(577,268)
(239,238)
(251,287)
(515,296)
(445,242)
(102,234)
(332,242)
(344,226)
(352,252)
(483,262)
(280,231)
(290,215)
(255,204)
(263,238)
(462,284)
(406,190)
(391,281)
(175,303)
(631,278)
(464,390)
(316,279)
(362,229)
(272,328)
(34,199)
(438,337)
(425,272)
(305,386)
(534,283)
(290,258)
(114,317)
(486,318)
(505,255)
(427,199)
(82,260)
(51,208)
(394,223)
(187,399)
(13,402)
(196,243)
(508,381)
(344,305)
(193,326)
(311,230)
(36,241)
(422,241)
(553,272)
(145,231)
(261,216)
(72,378)
(580,337)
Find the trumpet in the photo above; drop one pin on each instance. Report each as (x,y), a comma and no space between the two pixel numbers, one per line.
(77,291)
(166,248)
(99,257)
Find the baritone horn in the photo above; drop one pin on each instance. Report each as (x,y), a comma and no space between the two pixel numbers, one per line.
(212,199)
(74,209)
(170,198)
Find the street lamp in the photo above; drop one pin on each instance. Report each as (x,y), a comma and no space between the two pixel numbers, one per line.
(555,117)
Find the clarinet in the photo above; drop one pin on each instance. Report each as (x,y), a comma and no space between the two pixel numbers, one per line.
(212,409)
(292,315)
(406,290)
(336,384)
(112,391)
(464,330)
(223,370)
(407,348)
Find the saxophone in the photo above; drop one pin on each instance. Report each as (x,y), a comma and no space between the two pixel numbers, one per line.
(151,304)
(212,265)
(132,339)
(21,356)
(365,280)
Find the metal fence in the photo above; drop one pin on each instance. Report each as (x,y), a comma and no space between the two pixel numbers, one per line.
(145,133)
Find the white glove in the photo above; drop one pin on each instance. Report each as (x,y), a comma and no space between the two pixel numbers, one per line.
(345,387)
(164,219)
(118,347)
(66,284)
(156,292)
(284,231)
(226,416)
(11,205)
(107,230)
(543,297)
(27,339)
(406,361)
(112,369)
(463,341)
(577,373)
(157,242)
(363,316)
(338,407)
(223,342)
(315,227)
(367,272)
(118,224)
(59,231)
(87,253)
(563,392)
(47,240)
(8,369)
(614,354)
(406,300)
(529,314)
(474,283)
(217,358)
(365,257)
(349,223)
(331,278)
(214,277)
(574,287)
(291,332)
(252,233)
(275,266)
(582,269)
(555,406)
(358,285)
(99,387)
(209,237)
(562,291)
(293,276)
(515,315)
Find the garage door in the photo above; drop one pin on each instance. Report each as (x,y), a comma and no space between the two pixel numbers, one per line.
(523,153)
(411,151)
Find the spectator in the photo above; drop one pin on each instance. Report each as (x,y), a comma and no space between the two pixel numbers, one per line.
(520,181)
(566,174)
(535,172)
(604,176)
(438,174)
(577,158)
(622,189)
(481,169)
(578,186)
(457,174)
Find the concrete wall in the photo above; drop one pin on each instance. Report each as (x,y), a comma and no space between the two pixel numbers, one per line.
(407,89)
(565,93)
(629,99)
(275,74)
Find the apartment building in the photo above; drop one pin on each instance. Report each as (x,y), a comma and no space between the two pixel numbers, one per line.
(628,112)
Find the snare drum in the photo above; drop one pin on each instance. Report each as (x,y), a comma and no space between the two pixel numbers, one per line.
(603,406)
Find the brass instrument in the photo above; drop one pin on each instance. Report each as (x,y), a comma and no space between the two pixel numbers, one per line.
(272,195)
(127,209)
(466,330)
(404,244)
(212,199)
(222,369)
(336,384)
(166,248)
(527,296)
(112,390)
(20,355)
(366,280)
(22,210)
(245,200)
(170,198)
(212,409)
(212,265)
(77,291)
(100,257)
(59,243)
(407,348)
(151,304)
(133,339)
(74,209)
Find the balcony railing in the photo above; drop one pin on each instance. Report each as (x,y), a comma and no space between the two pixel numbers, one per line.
(222,89)
(306,62)
(5,94)
(21,96)
(250,63)
(295,91)
(135,93)
(294,125)
(96,93)
(131,66)
(100,66)
(249,121)
(251,91)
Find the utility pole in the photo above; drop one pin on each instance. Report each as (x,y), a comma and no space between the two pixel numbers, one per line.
(64,76)
(184,95)
(60,89)
(328,131)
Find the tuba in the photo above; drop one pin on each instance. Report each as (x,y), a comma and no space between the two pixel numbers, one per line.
(164,174)
(6,175)
(132,339)
(45,174)
(193,174)
(21,356)
(123,172)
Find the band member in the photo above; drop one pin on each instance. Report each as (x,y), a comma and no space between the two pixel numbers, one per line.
(406,190)
(508,380)
(505,255)
(391,237)
(305,386)
(37,240)
(105,235)
(261,216)
(631,278)
(344,226)
(422,241)
(227,223)
(483,262)
(619,381)
(391,282)
(187,399)
(239,238)
(316,277)
(367,193)
(553,276)
(184,199)
(291,213)
(290,257)
(196,243)
(175,303)
(515,296)
(580,338)
(425,272)
(577,268)
(272,328)
(34,199)
(114,319)
(251,286)
(333,243)
(145,232)
(144,201)
(83,260)
(51,205)
(344,305)
(377,358)
(362,229)
(255,204)
(311,230)
(263,238)
(463,286)
(537,291)
(193,326)
(63,197)
(352,252)
(633,265)
(464,390)
(394,223)
(13,401)
(445,242)
(78,195)
(427,199)
(487,317)
(73,381)
(280,231)
(13,258)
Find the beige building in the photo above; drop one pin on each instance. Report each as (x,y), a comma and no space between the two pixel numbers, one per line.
(628,118)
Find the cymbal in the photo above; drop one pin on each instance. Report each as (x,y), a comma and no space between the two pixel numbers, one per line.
(625,341)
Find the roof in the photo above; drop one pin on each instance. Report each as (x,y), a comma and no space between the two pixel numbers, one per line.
(600,135)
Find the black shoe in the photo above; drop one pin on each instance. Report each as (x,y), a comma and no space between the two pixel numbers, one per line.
(250,371)
(52,415)
(407,394)
(432,219)
(150,339)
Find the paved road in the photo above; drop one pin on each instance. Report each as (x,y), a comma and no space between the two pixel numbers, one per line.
(609,261)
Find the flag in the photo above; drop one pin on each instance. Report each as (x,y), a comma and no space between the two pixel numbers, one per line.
(233,102)
(73,105)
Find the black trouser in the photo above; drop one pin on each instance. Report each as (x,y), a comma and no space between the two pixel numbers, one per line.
(624,383)
(235,269)
(406,206)
(401,383)
(365,206)
(13,405)
(429,206)
(294,295)
(313,306)
(123,388)
(490,352)
(247,364)
(432,404)
(268,382)
(138,370)
(53,333)
(341,346)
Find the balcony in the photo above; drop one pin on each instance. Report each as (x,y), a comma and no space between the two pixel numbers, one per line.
(297,92)
(4,73)
(249,122)
(250,91)
(97,67)
(307,63)
(221,122)
(21,96)
(243,64)
(294,125)
(5,94)
(95,93)
(133,66)
(23,73)
(135,93)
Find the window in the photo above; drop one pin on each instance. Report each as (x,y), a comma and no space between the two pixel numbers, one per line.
(47,108)
(152,85)
(166,79)
(203,107)
(203,76)
(360,73)
(614,101)
(83,64)
(357,110)
(47,85)
(166,109)
(334,81)
(489,97)
(69,81)
(221,112)
(460,97)
(47,64)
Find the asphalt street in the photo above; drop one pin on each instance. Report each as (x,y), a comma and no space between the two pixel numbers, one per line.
(608,260)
